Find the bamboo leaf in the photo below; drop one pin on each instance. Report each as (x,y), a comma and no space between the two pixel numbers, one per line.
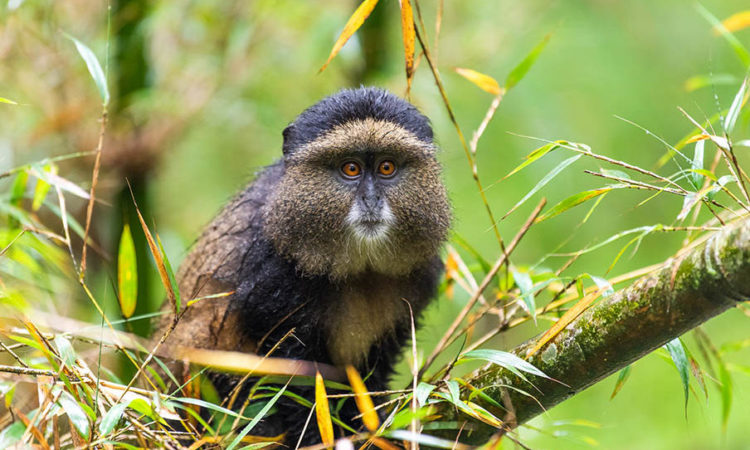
(12,434)
(526,286)
(680,360)
(423,392)
(352,25)
(572,201)
(503,359)
(363,399)
(95,69)
(621,379)
(482,81)
(547,178)
(41,190)
(701,81)
(111,418)
(737,21)
(725,386)
(163,273)
(696,178)
(127,273)
(520,71)
(536,154)
(719,28)
(77,416)
(737,104)
(408,36)
(323,412)
(565,320)
(256,419)
(172,279)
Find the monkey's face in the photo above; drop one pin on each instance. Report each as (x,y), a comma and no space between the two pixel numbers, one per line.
(366,195)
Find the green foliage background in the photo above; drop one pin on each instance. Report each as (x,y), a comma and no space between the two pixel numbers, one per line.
(251,67)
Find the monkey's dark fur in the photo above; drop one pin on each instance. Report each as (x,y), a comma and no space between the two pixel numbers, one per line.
(332,259)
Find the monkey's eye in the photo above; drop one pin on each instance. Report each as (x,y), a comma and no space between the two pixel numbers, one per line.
(387,168)
(351,169)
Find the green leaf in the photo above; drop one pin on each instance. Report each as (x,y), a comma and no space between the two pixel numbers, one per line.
(695,177)
(111,418)
(679,357)
(536,154)
(76,414)
(503,359)
(621,379)
(127,273)
(207,405)
(18,190)
(736,45)
(701,81)
(143,407)
(423,439)
(423,392)
(736,107)
(5,100)
(67,353)
(547,178)
(95,69)
(526,286)
(255,420)
(12,434)
(40,192)
(572,201)
(725,386)
(453,391)
(522,69)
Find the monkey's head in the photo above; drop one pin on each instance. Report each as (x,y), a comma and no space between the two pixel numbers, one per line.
(361,188)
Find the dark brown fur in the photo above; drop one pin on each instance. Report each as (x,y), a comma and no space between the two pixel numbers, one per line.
(285,248)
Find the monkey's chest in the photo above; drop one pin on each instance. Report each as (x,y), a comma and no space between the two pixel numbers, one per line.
(361,318)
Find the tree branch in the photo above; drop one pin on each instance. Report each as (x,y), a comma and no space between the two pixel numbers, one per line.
(688,290)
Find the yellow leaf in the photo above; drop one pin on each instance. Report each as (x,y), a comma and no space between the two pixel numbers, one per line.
(355,21)
(484,82)
(407,30)
(736,21)
(565,320)
(363,400)
(323,412)
(697,137)
(127,273)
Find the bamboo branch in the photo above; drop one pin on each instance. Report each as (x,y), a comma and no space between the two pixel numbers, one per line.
(685,292)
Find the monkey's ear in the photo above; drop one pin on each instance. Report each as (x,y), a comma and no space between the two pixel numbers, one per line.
(288,134)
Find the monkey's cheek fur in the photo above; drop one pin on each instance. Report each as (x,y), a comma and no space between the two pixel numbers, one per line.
(317,224)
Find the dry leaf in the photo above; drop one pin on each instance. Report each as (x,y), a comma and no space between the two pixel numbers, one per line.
(484,82)
(355,21)
(363,399)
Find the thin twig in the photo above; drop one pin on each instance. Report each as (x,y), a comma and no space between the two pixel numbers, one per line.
(485,282)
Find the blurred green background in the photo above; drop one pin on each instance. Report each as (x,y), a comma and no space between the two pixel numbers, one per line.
(216,82)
